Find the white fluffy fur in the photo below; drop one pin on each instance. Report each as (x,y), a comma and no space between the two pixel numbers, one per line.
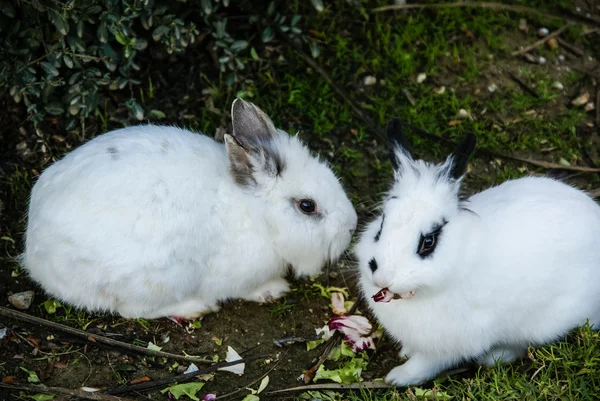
(520,267)
(147,221)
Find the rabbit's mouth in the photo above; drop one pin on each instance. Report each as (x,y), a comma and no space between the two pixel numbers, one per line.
(385,295)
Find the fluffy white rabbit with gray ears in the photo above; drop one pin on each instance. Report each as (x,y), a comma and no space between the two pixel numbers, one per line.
(152,221)
(479,279)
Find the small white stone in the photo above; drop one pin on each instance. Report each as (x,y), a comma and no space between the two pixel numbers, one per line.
(462,114)
(22,300)
(543,31)
(542,60)
(558,85)
(589,106)
(492,88)
(421,77)
(370,80)
(561,57)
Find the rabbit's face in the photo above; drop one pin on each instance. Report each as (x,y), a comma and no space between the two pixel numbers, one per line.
(407,248)
(414,244)
(311,216)
(308,214)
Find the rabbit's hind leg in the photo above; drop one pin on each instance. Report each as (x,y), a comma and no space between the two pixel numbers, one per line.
(188,309)
(502,354)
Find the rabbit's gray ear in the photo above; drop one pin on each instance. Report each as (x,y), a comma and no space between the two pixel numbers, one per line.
(251,148)
(251,126)
(458,160)
(399,147)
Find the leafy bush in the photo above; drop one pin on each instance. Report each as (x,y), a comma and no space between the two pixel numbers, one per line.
(59,57)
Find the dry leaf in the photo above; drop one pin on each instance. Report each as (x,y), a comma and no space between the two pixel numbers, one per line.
(581,99)
(9,379)
(454,122)
(142,379)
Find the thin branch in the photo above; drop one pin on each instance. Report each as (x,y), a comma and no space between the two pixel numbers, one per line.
(523,85)
(540,42)
(490,5)
(573,49)
(180,378)
(95,338)
(332,386)
(38,388)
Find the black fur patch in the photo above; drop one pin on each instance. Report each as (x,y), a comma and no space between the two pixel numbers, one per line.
(380,228)
(373,265)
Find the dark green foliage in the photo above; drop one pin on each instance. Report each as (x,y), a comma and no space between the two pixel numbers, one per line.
(59,58)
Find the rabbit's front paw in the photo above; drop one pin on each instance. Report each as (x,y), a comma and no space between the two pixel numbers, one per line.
(416,370)
(270,292)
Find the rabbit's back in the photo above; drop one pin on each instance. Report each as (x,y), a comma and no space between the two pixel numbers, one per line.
(543,238)
(111,216)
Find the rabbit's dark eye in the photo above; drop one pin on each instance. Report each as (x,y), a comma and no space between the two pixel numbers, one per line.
(307,206)
(427,244)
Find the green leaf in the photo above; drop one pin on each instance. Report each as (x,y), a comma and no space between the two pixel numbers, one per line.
(315,50)
(268,34)
(8,10)
(160,115)
(49,69)
(239,45)
(68,60)
(33,377)
(151,345)
(42,397)
(318,5)
(51,305)
(120,38)
(159,32)
(54,108)
(59,22)
(313,344)
(253,54)
(187,389)
(206,6)
(348,373)
(430,394)
(251,397)
(102,32)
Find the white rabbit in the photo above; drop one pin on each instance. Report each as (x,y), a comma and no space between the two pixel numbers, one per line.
(481,279)
(151,221)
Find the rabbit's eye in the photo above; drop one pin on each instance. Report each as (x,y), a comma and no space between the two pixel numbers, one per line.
(307,206)
(427,244)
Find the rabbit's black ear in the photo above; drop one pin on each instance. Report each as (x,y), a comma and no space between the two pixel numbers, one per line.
(399,146)
(460,157)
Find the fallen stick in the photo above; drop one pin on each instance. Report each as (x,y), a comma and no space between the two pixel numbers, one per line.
(180,378)
(575,50)
(95,338)
(540,42)
(38,388)
(492,6)
(332,386)
(523,85)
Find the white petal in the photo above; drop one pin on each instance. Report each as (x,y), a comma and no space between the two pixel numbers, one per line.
(231,357)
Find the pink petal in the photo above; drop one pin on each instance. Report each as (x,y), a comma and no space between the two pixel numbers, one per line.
(209,397)
(350,324)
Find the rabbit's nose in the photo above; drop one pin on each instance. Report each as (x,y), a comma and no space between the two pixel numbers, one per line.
(381,283)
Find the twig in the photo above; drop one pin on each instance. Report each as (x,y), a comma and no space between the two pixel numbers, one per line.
(38,388)
(180,378)
(575,50)
(548,165)
(332,386)
(540,42)
(329,345)
(598,108)
(97,338)
(489,5)
(410,98)
(523,85)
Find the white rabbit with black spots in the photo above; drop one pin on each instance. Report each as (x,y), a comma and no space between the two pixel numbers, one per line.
(478,279)
(152,221)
